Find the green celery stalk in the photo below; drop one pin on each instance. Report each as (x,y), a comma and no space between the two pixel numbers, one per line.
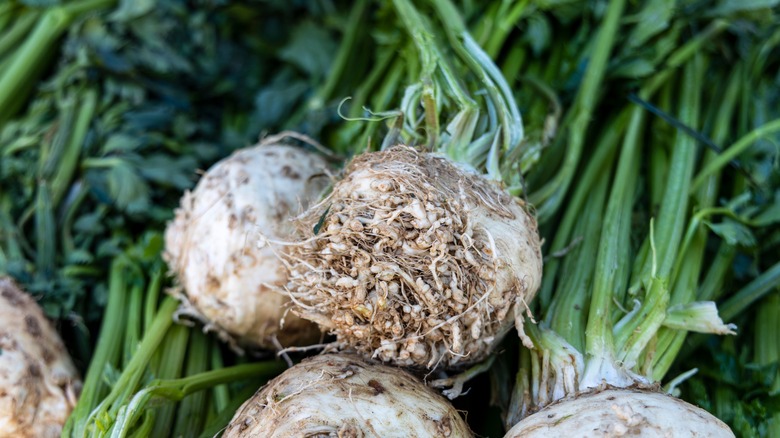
(144,430)
(32,54)
(567,314)
(767,348)
(189,415)
(670,222)
(217,424)
(604,154)
(68,161)
(21,26)
(7,13)
(735,150)
(369,84)
(674,207)
(689,264)
(151,299)
(221,393)
(106,353)
(506,19)
(346,49)
(752,292)
(613,250)
(550,197)
(711,287)
(380,99)
(45,231)
(9,249)
(105,412)
(170,365)
(177,389)
(133,328)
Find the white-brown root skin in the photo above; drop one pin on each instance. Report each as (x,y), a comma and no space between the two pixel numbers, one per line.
(621,412)
(417,262)
(38,382)
(228,281)
(346,396)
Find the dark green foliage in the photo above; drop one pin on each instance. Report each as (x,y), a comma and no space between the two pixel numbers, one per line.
(139,98)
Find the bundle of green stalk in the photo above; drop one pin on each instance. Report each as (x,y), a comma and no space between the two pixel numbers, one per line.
(618,320)
(632,261)
(638,252)
(142,357)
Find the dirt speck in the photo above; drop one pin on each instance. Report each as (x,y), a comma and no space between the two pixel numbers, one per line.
(378,388)
(444,426)
(12,295)
(34,370)
(351,368)
(213,281)
(48,356)
(33,328)
(349,431)
(288,172)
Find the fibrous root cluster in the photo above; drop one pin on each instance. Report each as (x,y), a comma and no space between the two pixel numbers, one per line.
(416,261)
